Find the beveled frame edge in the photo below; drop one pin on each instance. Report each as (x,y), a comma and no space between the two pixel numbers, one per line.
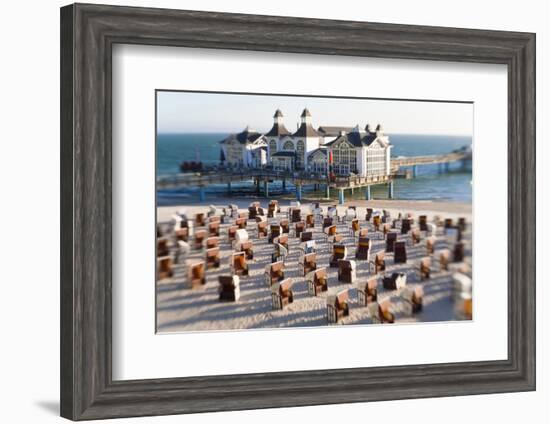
(88,33)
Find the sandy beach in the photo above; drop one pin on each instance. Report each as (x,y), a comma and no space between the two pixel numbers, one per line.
(180,308)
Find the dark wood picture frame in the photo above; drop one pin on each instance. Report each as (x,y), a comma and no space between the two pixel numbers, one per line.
(88,33)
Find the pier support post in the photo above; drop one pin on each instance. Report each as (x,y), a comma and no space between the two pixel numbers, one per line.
(440,168)
(447,166)
(328,191)
(229,187)
(390,190)
(414,171)
(202,194)
(341,198)
(284,184)
(298,192)
(367,193)
(266,188)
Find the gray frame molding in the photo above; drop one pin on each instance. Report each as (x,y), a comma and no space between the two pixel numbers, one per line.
(88,33)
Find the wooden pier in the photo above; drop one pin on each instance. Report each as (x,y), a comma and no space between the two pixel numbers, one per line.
(264,176)
(429,159)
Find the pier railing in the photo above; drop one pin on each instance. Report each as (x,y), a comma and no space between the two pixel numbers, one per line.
(357,181)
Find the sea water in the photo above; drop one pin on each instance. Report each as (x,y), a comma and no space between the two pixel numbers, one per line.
(429,184)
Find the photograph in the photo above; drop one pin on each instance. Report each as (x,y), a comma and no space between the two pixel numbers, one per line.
(281,211)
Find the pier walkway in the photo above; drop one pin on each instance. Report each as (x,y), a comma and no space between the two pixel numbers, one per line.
(429,159)
(226,175)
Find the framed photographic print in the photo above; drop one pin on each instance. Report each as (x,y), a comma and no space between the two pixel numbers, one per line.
(268,211)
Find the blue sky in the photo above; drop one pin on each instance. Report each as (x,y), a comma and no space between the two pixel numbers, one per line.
(180,112)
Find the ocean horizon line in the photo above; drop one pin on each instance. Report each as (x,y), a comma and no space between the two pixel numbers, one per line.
(386,133)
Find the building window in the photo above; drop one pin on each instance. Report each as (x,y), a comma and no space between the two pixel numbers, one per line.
(282,164)
(272,147)
(376,162)
(300,154)
(318,163)
(289,145)
(344,160)
(234,153)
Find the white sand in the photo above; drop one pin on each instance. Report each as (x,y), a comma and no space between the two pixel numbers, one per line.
(184,309)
